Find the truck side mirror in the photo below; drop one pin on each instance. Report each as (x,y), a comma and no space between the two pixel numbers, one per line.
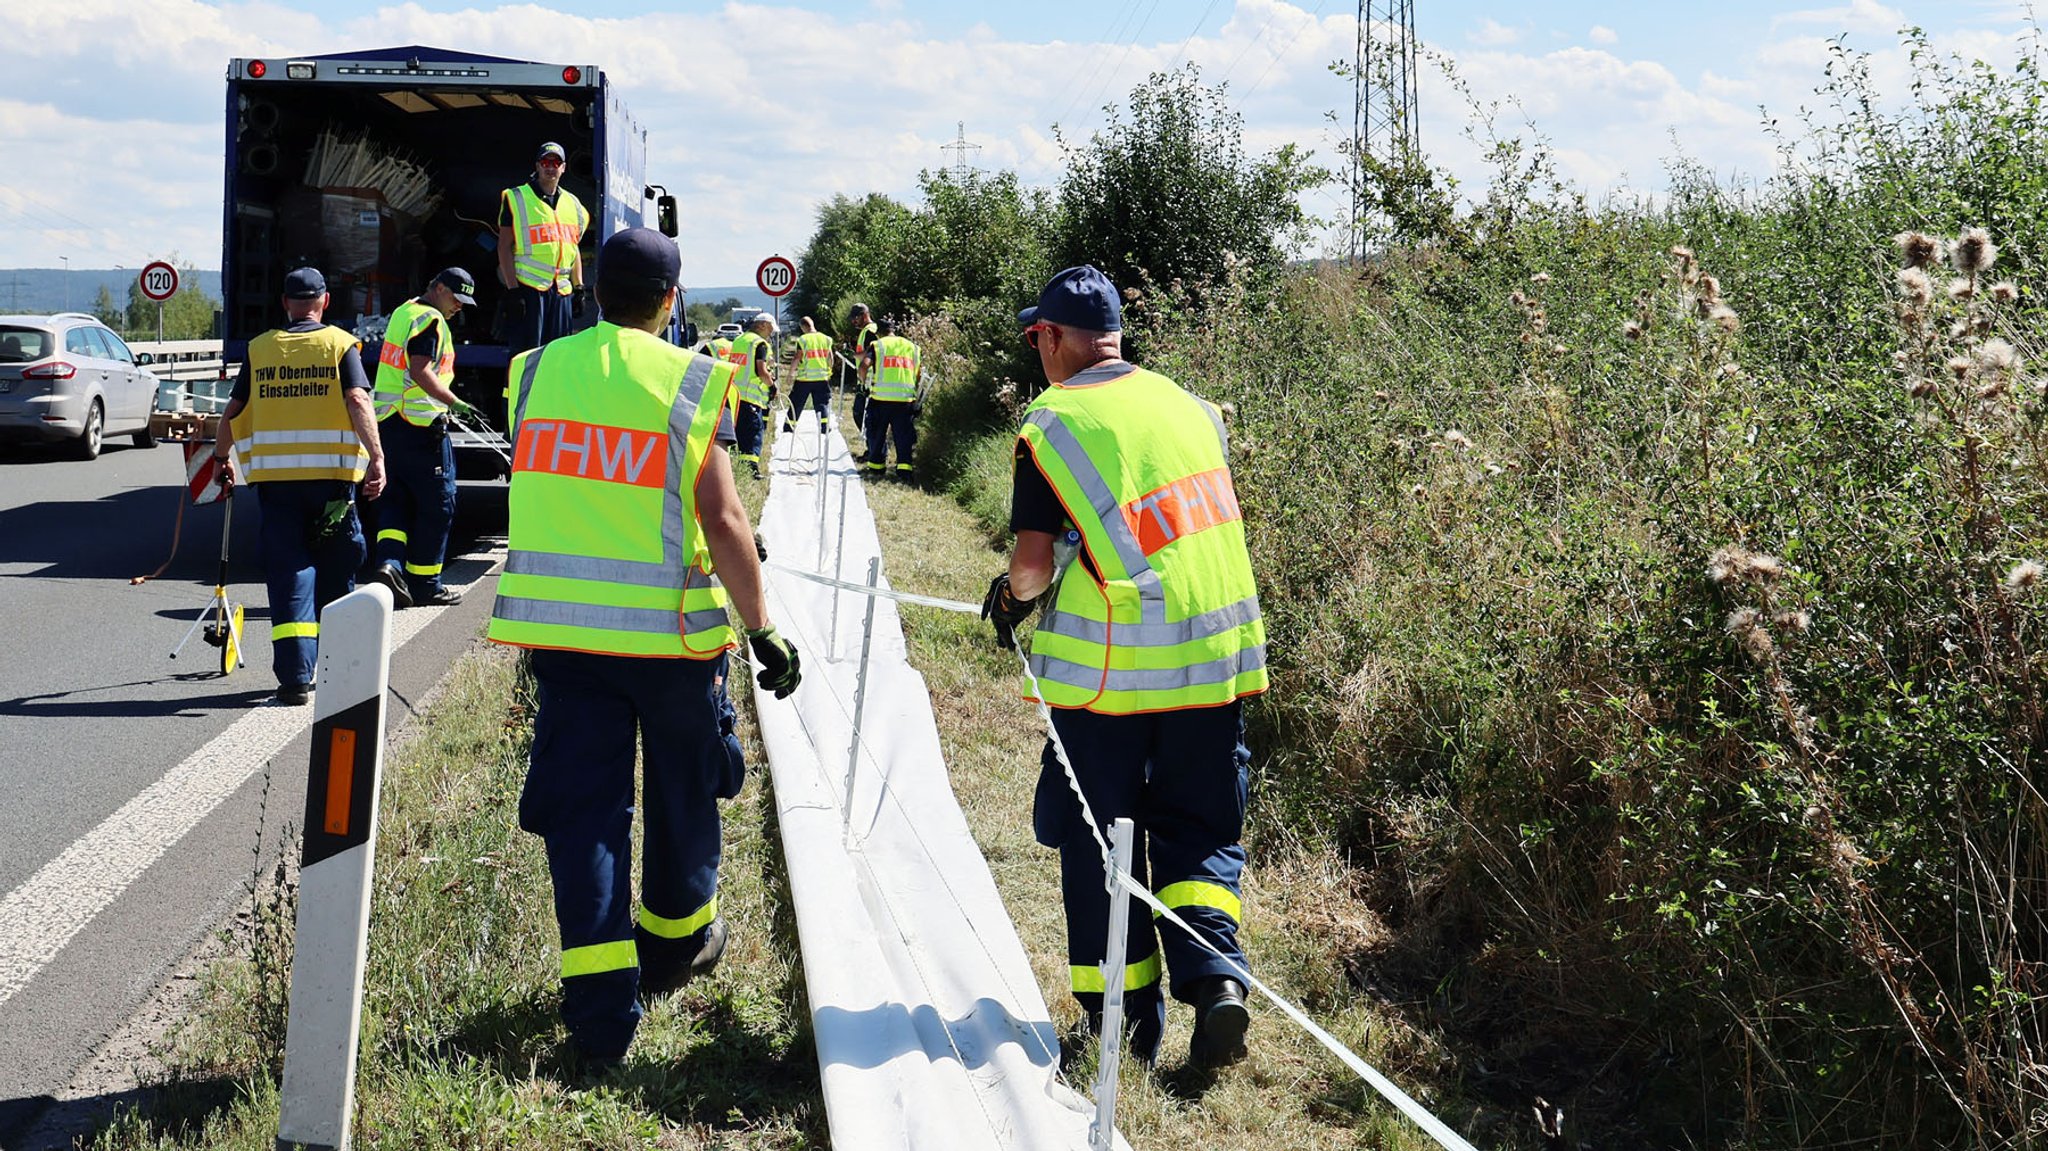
(665,215)
(690,334)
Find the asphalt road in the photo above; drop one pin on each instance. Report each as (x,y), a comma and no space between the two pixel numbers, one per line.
(92,712)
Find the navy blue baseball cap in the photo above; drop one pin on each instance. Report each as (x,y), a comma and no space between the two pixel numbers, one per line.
(1080,297)
(304,284)
(551,149)
(639,258)
(461,283)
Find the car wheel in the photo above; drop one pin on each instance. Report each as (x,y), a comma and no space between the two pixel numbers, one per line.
(146,438)
(87,446)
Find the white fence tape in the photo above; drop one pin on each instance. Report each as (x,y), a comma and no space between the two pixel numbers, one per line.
(1432,1126)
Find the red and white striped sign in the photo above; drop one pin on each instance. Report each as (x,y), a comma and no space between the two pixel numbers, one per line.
(202,473)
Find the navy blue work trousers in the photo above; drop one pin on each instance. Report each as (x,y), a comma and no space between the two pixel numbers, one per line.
(1180,777)
(888,419)
(418,504)
(579,799)
(312,546)
(543,316)
(747,427)
(817,393)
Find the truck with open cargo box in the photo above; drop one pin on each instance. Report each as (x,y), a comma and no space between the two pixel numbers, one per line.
(382,167)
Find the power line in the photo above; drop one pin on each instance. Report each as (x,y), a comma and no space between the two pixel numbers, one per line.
(1130,10)
(1103,91)
(1312,18)
(1180,54)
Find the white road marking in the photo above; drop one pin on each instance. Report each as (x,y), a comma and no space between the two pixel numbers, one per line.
(52,906)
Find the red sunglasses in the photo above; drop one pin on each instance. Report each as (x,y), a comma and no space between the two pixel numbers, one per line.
(1031,333)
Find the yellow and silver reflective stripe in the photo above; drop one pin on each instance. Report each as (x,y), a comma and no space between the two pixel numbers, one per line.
(1103,502)
(602,617)
(260,463)
(682,928)
(697,586)
(599,958)
(1202,893)
(1141,973)
(558,565)
(1204,674)
(392,534)
(308,436)
(1209,623)
(307,630)
(422,569)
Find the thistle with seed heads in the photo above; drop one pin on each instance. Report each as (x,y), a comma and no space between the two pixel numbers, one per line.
(1973,253)
(2024,576)
(1918,249)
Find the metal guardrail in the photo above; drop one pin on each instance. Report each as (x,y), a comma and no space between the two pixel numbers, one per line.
(193,373)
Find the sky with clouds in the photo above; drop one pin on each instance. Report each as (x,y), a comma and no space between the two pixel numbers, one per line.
(111,112)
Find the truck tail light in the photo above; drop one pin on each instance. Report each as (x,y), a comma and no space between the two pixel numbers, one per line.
(54,370)
(258,69)
(572,75)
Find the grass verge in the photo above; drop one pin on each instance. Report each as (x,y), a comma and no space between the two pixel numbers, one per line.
(462,1050)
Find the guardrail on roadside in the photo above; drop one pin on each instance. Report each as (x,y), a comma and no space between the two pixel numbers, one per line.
(193,374)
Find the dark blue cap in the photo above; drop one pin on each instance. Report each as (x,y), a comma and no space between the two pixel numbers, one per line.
(304,284)
(639,258)
(461,283)
(1078,298)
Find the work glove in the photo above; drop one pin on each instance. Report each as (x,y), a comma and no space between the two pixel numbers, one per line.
(579,301)
(776,657)
(760,547)
(773,392)
(467,411)
(1005,611)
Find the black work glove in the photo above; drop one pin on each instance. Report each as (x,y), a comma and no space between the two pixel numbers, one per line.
(1005,611)
(579,301)
(773,392)
(776,657)
(760,547)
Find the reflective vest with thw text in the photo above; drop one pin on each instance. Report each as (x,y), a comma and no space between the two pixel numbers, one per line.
(1169,617)
(544,239)
(395,390)
(611,428)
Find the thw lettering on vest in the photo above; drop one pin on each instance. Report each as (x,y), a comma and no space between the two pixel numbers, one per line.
(903,362)
(1182,508)
(393,355)
(537,234)
(592,452)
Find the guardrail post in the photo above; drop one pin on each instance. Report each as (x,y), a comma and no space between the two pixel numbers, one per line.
(338,851)
(860,696)
(1102,1132)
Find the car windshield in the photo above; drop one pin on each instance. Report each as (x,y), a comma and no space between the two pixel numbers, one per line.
(21,345)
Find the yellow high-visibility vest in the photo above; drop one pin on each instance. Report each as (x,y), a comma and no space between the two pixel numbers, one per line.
(611,428)
(395,390)
(1170,616)
(813,357)
(544,239)
(295,425)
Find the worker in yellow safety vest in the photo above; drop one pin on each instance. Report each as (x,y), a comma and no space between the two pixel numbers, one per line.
(412,400)
(862,324)
(540,256)
(813,384)
(300,412)
(754,378)
(892,402)
(1129,529)
(628,547)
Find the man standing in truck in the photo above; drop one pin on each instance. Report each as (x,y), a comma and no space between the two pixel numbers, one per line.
(540,256)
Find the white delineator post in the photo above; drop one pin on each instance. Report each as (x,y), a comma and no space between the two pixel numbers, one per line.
(318,1096)
(1102,1132)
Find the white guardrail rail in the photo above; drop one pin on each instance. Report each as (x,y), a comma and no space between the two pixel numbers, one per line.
(192,373)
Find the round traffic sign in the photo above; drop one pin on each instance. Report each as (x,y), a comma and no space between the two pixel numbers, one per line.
(776,276)
(159,281)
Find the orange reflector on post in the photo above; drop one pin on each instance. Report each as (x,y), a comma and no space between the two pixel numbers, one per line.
(341,767)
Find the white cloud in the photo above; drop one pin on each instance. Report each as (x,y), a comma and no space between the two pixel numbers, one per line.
(126,103)
(1492,33)
(1602,34)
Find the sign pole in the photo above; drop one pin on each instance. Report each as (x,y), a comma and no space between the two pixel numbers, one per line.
(340,839)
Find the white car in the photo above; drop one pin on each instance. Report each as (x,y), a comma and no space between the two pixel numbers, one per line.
(68,377)
(727,332)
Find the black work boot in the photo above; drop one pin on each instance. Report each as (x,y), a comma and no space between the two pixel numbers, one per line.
(391,577)
(659,979)
(1221,1019)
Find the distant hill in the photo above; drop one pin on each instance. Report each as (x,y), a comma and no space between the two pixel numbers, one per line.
(40,290)
(749,296)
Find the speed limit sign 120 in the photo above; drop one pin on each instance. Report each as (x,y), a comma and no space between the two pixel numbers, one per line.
(776,276)
(159,281)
